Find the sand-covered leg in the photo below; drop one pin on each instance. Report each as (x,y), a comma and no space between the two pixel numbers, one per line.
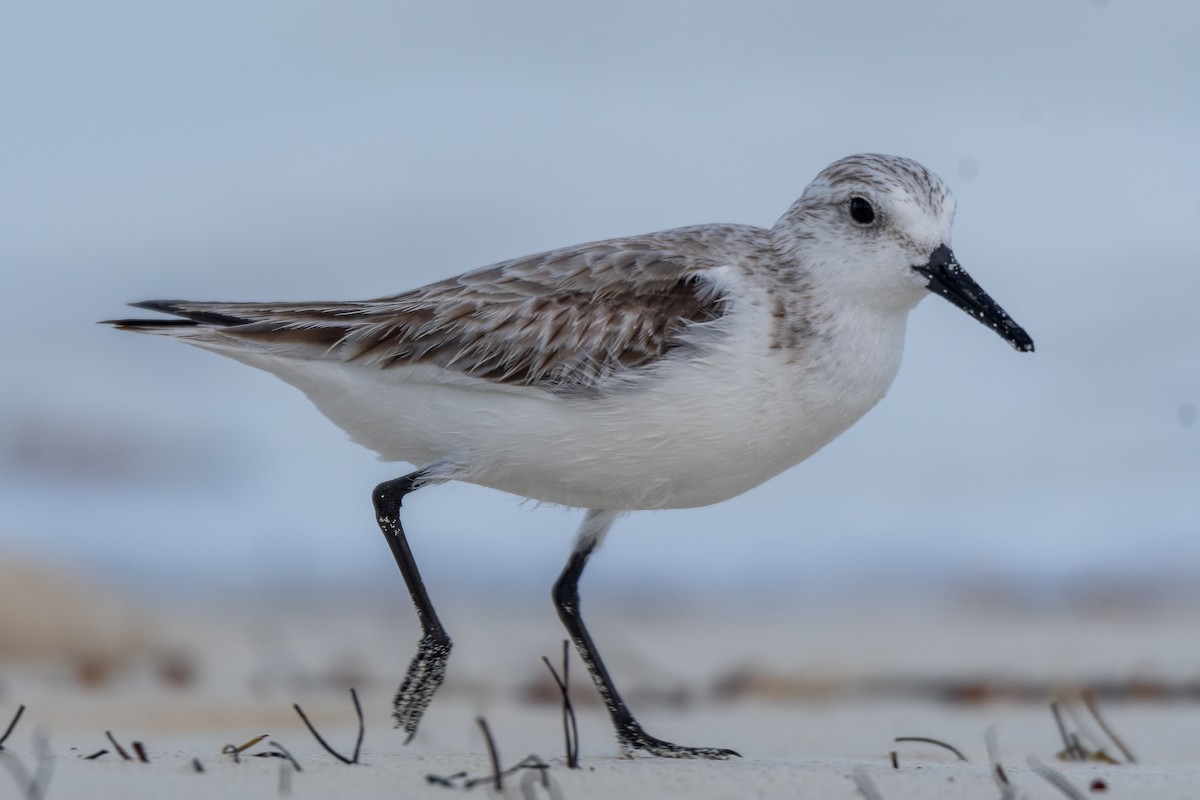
(630,735)
(427,670)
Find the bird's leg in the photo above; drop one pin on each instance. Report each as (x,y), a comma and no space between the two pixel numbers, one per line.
(428,667)
(630,735)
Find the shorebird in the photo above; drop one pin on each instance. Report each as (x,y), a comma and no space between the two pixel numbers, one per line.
(669,370)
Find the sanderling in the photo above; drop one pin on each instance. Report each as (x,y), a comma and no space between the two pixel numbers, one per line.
(669,370)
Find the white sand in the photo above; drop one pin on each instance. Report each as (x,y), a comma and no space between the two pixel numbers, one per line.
(805,716)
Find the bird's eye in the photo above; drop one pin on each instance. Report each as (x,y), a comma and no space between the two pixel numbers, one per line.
(861,211)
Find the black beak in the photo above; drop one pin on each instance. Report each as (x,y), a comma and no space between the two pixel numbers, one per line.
(952,282)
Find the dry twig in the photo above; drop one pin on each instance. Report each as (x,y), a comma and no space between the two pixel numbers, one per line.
(283,753)
(570,726)
(362,729)
(1072,751)
(531,763)
(497,778)
(120,750)
(237,750)
(1083,727)
(1089,700)
(447,781)
(8,731)
(937,742)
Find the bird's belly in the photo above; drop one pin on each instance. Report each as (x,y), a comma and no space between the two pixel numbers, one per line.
(628,456)
(702,431)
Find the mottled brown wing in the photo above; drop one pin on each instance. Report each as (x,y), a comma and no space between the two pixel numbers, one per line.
(562,320)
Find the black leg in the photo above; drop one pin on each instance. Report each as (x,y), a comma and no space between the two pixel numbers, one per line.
(630,735)
(428,667)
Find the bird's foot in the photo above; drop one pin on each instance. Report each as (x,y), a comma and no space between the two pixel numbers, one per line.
(634,738)
(425,674)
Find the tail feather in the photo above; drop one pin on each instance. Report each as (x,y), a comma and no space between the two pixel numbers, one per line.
(193,315)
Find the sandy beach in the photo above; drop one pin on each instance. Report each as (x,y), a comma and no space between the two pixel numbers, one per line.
(813,698)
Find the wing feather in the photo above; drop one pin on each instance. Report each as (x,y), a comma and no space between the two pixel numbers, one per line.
(563,320)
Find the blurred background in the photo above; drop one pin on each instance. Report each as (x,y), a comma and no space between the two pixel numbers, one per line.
(292,151)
